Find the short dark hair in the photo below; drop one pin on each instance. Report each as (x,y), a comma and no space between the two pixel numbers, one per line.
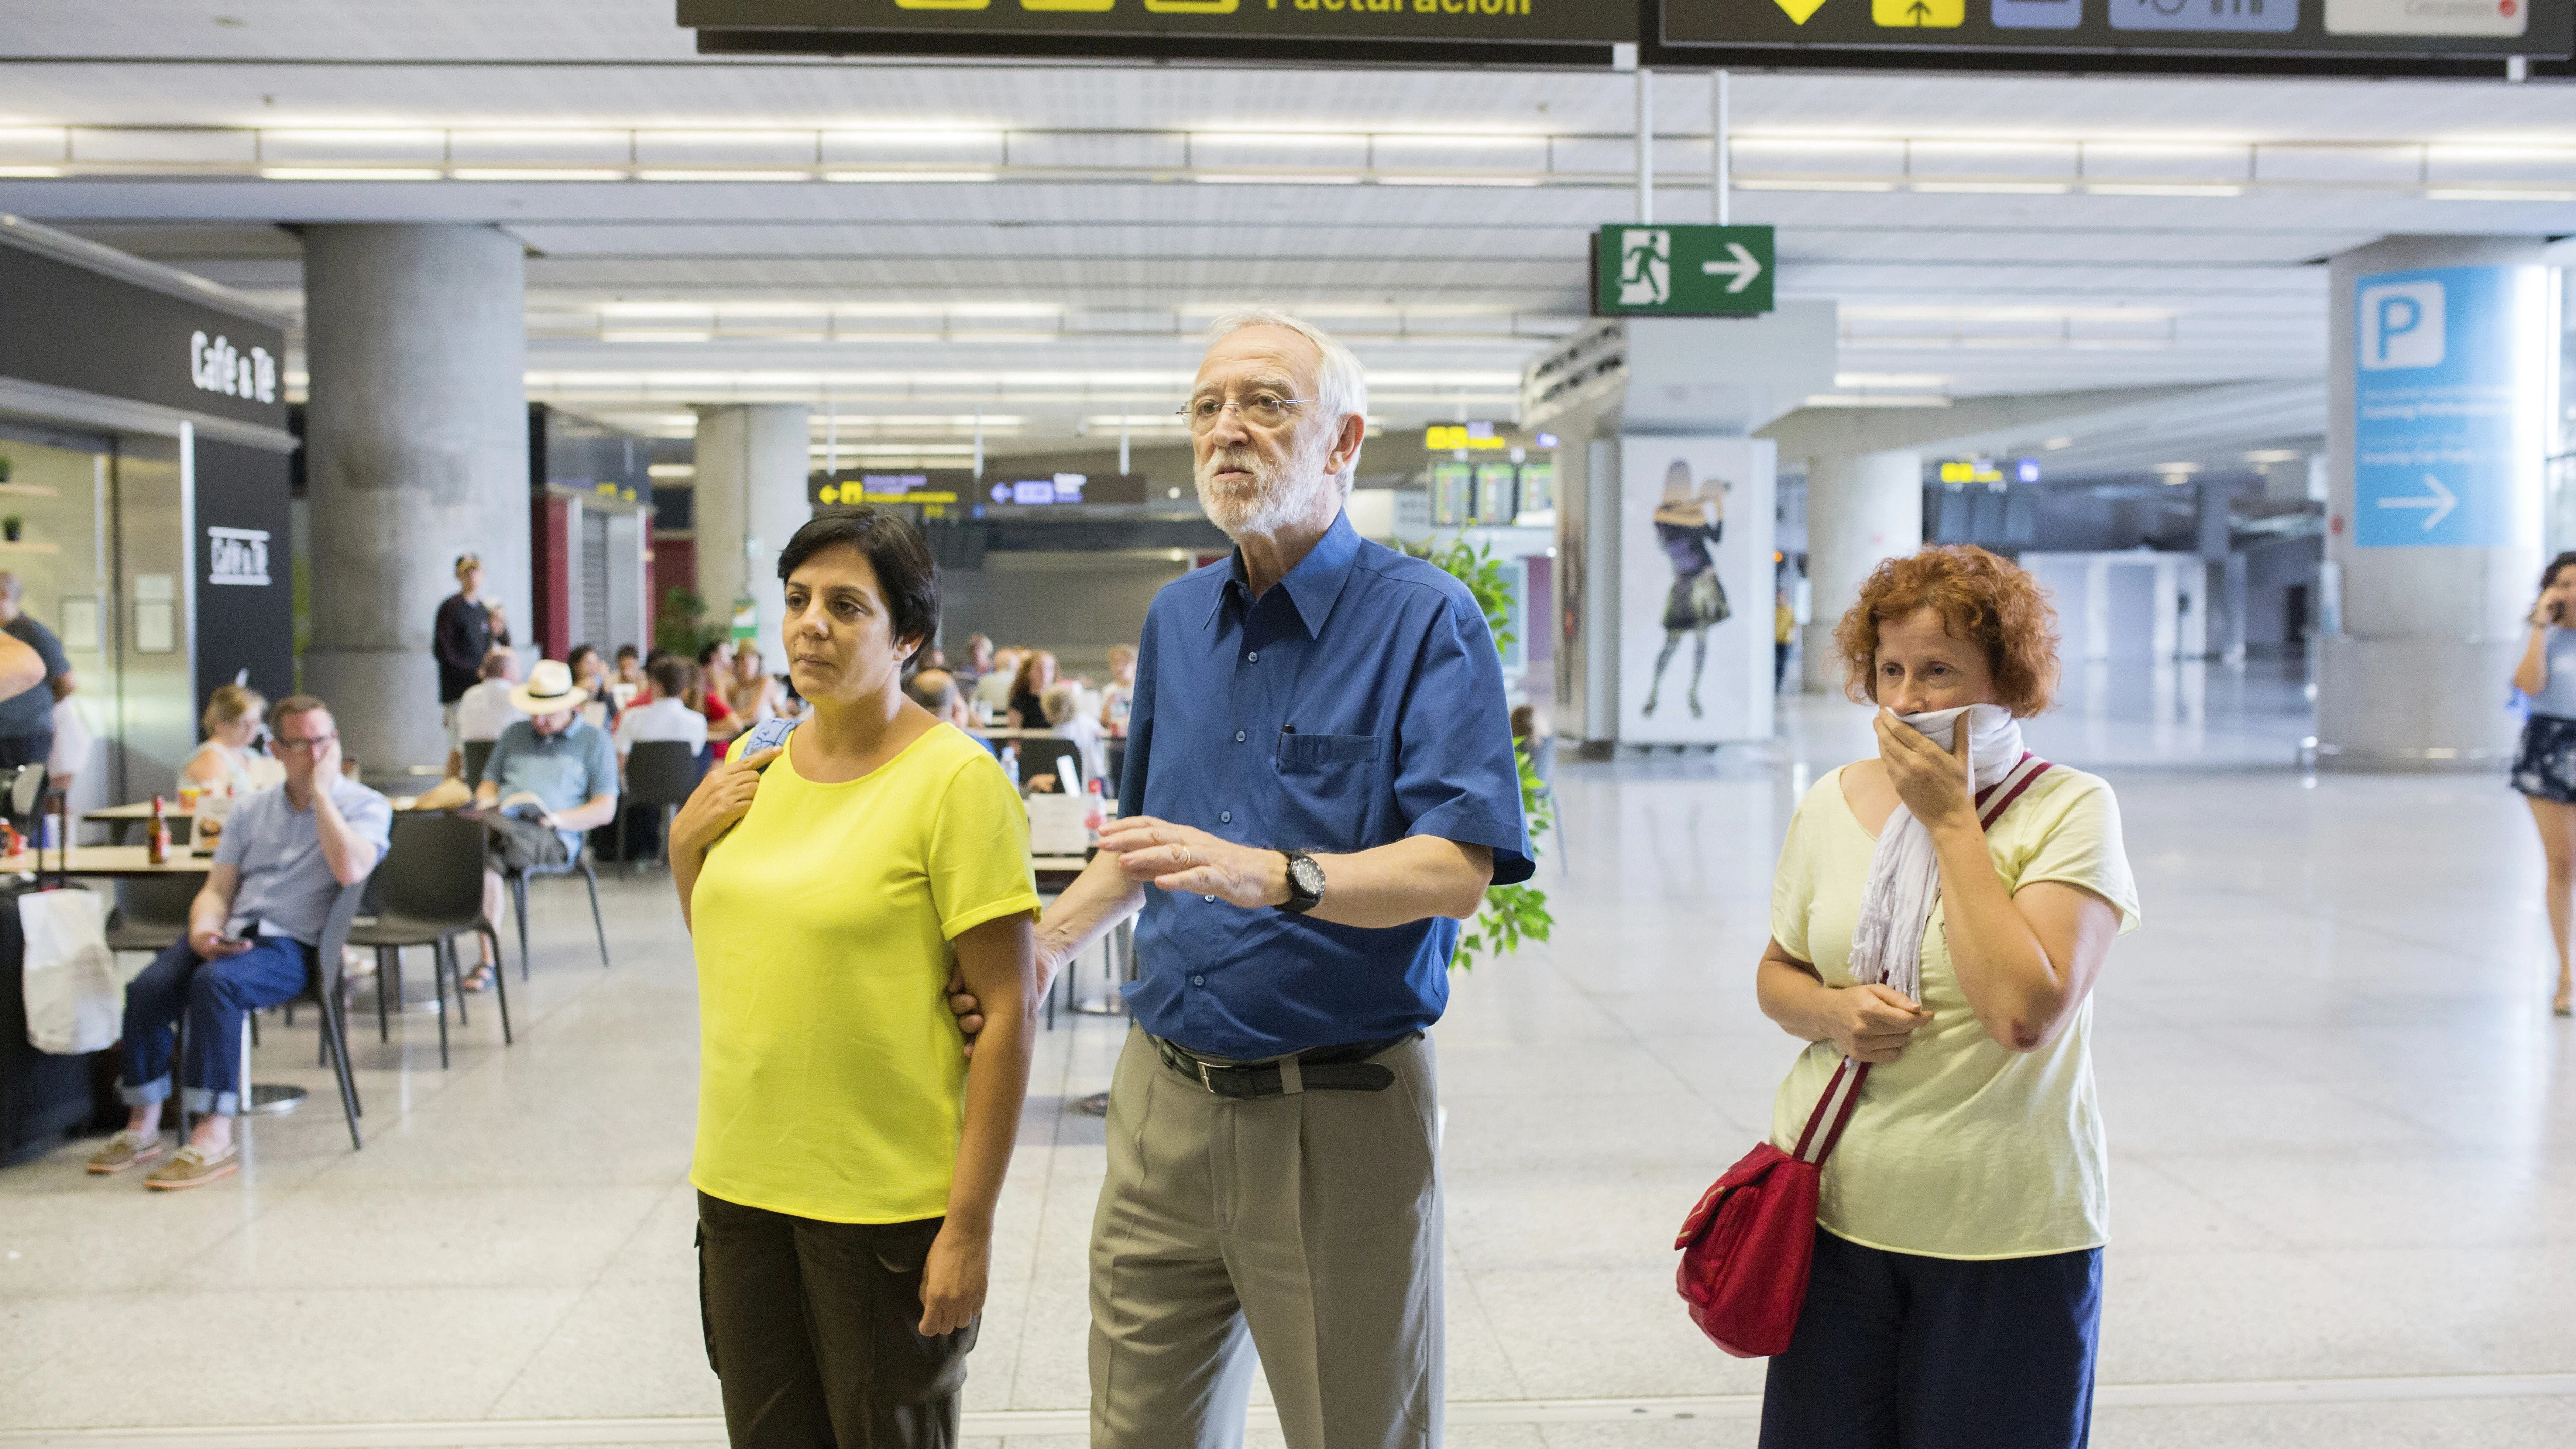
(670,674)
(2549,575)
(906,573)
(291,706)
(578,650)
(625,652)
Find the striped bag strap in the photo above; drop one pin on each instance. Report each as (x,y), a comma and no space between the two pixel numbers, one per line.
(1998,797)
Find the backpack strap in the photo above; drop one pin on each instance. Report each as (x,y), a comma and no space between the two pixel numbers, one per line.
(1998,797)
(768,734)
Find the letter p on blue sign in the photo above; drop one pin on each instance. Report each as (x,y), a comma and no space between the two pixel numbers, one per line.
(2402,326)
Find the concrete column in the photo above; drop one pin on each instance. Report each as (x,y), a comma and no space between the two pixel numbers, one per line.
(2223,597)
(2433,596)
(1861,508)
(752,464)
(416,450)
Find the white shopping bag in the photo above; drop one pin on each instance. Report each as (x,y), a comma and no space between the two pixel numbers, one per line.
(75,998)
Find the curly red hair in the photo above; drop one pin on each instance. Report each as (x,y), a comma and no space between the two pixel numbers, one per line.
(1984,600)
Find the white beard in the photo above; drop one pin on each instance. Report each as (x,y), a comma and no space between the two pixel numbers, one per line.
(1276,496)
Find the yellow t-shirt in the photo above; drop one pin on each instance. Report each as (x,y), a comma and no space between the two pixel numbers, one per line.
(1959,1148)
(831,1082)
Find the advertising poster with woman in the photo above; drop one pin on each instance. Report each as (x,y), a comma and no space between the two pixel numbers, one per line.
(1695,590)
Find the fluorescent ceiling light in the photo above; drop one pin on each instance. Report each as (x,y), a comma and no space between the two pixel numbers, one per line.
(2496,193)
(532,173)
(1784,183)
(1927,313)
(1995,188)
(656,309)
(1890,379)
(23,172)
(350,173)
(671,470)
(1457,181)
(2160,188)
(657,336)
(2274,455)
(2176,467)
(902,176)
(724,175)
(1285,179)
(1876,400)
(2053,444)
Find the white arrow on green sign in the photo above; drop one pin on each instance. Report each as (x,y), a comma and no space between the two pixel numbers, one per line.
(1683,271)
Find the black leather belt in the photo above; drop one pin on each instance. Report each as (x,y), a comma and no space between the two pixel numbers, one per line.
(1317,1069)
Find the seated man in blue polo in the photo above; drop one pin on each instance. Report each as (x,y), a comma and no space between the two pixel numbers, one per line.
(253,931)
(552,776)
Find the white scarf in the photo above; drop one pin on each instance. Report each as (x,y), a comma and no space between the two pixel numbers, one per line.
(1904,875)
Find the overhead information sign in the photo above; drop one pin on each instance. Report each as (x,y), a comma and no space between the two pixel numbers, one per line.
(2447,409)
(1253,30)
(1682,271)
(2175,30)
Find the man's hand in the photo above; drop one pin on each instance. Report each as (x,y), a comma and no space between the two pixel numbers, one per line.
(326,760)
(1179,858)
(210,945)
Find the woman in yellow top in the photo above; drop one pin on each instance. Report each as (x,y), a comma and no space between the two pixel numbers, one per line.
(847,1162)
(1956,1292)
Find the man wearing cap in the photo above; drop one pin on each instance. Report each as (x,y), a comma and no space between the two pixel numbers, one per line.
(468,627)
(551,777)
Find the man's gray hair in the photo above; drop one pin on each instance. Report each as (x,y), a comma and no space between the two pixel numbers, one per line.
(1341,384)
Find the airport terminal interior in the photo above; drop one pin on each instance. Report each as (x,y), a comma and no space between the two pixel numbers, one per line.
(2242,336)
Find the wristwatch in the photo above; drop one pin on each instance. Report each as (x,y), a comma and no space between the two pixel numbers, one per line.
(1305,883)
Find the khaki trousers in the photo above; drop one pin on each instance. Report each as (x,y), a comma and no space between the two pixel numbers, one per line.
(1303,1227)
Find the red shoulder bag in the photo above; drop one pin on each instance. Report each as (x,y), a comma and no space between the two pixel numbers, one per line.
(1746,1247)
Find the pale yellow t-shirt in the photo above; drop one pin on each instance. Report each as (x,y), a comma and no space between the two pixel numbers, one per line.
(832,1083)
(1959,1148)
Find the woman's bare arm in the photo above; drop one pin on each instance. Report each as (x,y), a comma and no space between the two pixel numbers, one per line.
(998,962)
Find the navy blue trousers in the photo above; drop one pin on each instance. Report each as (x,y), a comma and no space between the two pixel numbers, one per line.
(1901,1351)
(213,996)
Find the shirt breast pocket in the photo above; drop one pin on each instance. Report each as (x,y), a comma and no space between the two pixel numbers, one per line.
(1326,789)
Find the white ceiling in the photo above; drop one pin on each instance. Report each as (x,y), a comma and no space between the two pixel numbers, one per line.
(1446,288)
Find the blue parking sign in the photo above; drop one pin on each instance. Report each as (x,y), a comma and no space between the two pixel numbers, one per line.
(2441,397)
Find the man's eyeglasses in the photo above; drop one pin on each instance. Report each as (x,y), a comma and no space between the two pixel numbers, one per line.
(315,743)
(1262,410)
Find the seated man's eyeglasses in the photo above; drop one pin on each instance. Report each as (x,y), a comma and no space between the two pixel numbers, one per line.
(314,743)
(1261,409)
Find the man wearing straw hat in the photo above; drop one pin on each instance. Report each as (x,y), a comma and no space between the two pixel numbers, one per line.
(551,777)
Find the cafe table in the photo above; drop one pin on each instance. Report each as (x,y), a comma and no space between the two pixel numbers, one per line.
(112,861)
(122,818)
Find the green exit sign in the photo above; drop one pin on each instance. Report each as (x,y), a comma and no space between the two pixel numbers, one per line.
(1682,271)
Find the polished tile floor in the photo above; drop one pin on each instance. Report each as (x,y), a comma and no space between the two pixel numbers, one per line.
(2343,1124)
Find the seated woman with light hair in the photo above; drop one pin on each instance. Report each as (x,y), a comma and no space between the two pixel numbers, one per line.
(235,716)
(1068,720)
(1941,914)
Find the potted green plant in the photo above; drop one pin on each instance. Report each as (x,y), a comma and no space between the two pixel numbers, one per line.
(11,526)
(4,467)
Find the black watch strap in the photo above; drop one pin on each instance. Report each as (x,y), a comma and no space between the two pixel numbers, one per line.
(1305,883)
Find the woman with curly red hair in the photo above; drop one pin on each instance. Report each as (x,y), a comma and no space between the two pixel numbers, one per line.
(1939,918)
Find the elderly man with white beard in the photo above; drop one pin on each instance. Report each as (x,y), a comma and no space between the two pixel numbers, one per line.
(1319,787)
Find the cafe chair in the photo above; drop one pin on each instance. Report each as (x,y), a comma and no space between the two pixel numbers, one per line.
(478,753)
(151,911)
(1115,763)
(661,775)
(517,881)
(321,990)
(428,890)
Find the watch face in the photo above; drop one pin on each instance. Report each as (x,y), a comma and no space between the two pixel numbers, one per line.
(1305,877)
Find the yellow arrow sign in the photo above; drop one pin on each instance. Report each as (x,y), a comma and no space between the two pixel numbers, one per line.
(1799,10)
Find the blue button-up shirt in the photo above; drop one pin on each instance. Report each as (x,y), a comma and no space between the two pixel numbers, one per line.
(1358,702)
